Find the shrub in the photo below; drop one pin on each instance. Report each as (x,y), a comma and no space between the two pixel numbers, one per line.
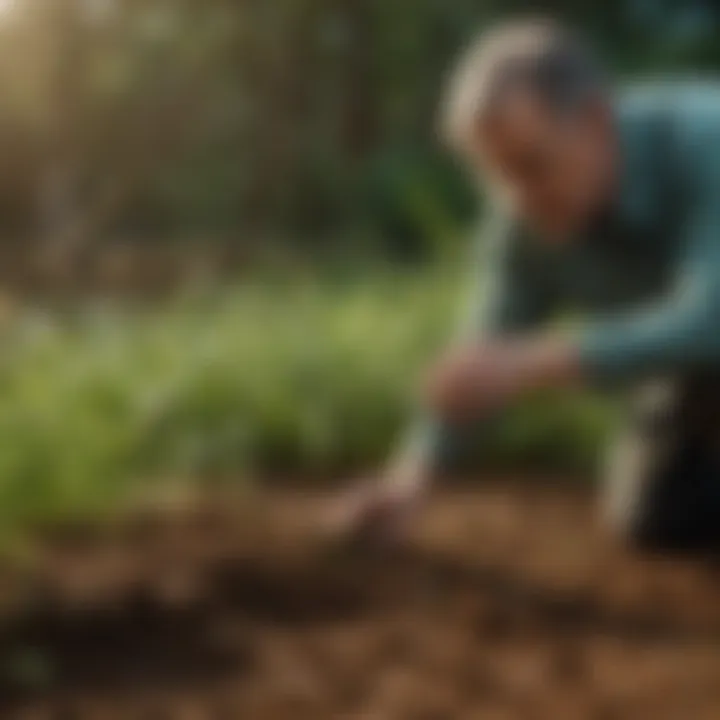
(308,377)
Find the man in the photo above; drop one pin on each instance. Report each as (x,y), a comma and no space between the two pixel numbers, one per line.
(610,205)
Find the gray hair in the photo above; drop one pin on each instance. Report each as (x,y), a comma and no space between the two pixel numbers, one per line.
(539,54)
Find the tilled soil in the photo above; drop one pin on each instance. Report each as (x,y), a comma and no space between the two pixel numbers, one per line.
(508,604)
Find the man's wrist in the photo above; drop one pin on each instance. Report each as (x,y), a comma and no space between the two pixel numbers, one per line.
(546,361)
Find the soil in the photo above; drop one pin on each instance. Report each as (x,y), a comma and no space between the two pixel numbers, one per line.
(509,603)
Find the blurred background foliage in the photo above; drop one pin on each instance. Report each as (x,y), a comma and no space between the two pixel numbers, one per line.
(267,172)
(303,123)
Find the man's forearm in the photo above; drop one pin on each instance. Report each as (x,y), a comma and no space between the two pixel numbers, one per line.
(544,361)
(472,381)
(435,445)
(675,334)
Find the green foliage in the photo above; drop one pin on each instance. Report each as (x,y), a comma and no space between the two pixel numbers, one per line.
(270,115)
(275,376)
(295,119)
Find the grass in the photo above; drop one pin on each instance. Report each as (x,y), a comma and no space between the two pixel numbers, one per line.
(309,376)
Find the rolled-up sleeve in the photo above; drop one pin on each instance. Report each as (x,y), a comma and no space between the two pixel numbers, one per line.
(680,330)
(508,295)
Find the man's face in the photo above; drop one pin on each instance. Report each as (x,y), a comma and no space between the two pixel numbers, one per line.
(555,170)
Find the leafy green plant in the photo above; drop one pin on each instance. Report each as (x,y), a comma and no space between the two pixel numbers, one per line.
(308,377)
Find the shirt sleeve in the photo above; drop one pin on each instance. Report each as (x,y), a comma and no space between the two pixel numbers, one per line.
(682,329)
(507,295)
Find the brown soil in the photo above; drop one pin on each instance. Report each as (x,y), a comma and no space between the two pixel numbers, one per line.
(509,605)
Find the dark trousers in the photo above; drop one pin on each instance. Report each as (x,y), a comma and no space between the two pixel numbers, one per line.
(662,492)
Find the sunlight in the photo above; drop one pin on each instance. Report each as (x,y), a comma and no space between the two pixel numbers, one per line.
(6,6)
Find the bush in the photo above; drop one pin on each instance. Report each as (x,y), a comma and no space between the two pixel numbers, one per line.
(302,377)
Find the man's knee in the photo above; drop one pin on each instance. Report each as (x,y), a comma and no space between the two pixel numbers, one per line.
(626,510)
(660,502)
(634,463)
(650,500)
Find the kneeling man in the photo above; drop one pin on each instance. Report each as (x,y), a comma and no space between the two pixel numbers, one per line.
(608,203)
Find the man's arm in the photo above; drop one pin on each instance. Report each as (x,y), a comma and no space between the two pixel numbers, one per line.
(510,295)
(681,330)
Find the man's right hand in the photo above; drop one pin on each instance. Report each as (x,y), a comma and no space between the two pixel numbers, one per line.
(377,513)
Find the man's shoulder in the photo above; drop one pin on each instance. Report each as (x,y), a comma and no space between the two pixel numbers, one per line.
(688,110)
(691,106)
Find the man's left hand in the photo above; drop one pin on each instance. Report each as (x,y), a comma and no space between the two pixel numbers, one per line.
(475,379)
